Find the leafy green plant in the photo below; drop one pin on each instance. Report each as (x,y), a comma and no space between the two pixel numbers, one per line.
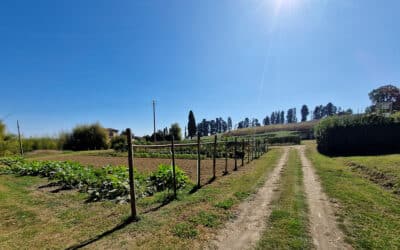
(109,182)
(163,178)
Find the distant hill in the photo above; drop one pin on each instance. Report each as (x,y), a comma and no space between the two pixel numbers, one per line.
(304,128)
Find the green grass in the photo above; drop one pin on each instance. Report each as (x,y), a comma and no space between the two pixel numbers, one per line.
(36,218)
(287,227)
(368,214)
(383,170)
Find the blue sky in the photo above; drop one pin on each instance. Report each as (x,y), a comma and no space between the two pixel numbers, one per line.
(68,62)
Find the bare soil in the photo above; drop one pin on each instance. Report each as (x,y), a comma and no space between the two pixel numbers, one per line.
(146,165)
(245,230)
(324,230)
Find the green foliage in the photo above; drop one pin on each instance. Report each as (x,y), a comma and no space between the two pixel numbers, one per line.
(176,131)
(87,137)
(286,139)
(304,113)
(184,230)
(163,178)
(192,129)
(2,130)
(387,93)
(109,182)
(119,143)
(358,134)
(225,204)
(206,219)
(32,144)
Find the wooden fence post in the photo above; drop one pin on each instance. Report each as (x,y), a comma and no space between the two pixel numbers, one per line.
(198,160)
(243,152)
(235,154)
(257,149)
(131,177)
(248,151)
(226,157)
(252,150)
(214,156)
(173,164)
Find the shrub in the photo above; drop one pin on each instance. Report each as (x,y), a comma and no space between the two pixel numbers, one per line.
(31,144)
(358,134)
(86,137)
(119,143)
(287,139)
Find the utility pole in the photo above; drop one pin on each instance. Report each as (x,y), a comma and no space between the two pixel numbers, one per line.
(21,150)
(154,120)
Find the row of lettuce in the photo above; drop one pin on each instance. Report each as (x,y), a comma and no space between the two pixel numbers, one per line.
(106,183)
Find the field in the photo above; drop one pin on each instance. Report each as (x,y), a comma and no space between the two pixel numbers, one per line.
(305,129)
(292,198)
(146,165)
(37,218)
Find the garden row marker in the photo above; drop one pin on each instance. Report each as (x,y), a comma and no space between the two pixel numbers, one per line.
(131,177)
(198,160)
(173,164)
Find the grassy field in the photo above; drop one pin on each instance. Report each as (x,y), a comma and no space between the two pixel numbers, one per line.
(304,128)
(35,217)
(368,213)
(383,170)
(288,223)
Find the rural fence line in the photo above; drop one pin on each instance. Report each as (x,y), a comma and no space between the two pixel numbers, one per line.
(255,148)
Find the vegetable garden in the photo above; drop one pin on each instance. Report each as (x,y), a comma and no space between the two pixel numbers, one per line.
(112,182)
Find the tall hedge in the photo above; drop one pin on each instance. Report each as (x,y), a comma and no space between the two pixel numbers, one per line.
(358,135)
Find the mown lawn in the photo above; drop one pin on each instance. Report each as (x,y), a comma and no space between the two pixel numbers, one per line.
(34,217)
(368,213)
(288,223)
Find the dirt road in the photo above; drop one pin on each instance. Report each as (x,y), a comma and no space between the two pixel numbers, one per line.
(245,231)
(324,230)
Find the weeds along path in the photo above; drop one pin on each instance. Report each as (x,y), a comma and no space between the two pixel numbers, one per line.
(324,230)
(245,230)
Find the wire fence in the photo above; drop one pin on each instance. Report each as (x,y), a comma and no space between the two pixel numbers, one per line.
(239,152)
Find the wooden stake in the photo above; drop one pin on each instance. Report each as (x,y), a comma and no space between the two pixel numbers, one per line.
(131,177)
(21,150)
(198,160)
(248,151)
(173,165)
(235,155)
(226,157)
(214,156)
(243,152)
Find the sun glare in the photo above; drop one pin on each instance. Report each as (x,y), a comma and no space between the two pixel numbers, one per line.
(282,5)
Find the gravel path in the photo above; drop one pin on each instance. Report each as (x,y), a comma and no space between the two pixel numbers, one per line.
(245,230)
(324,230)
